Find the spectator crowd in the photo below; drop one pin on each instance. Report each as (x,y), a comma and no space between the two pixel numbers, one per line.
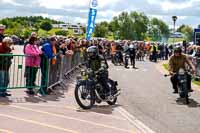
(38,52)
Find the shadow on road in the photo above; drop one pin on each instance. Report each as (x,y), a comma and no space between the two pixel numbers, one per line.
(33,99)
(5,101)
(101,109)
(58,92)
(193,103)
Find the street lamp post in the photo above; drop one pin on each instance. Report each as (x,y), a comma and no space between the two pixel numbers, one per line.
(174,18)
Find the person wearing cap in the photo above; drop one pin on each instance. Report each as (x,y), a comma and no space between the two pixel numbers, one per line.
(5,63)
(2,29)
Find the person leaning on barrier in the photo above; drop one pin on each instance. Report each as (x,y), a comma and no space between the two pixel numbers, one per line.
(32,62)
(69,48)
(49,52)
(33,34)
(197,52)
(5,63)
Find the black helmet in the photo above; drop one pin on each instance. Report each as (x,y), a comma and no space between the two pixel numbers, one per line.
(178,50)
(92,51)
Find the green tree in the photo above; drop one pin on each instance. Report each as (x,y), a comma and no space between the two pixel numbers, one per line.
(114,27)
(46,25)
(62,32)
(101,29)
(180,28)
(131,26)
(158,29)
(140,21)
(26,33)
(187,31)
(83,29)
(125,29)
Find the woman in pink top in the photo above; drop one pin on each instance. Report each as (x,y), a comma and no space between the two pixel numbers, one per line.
(32,62)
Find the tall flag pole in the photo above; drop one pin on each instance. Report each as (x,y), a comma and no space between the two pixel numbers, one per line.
(91,18)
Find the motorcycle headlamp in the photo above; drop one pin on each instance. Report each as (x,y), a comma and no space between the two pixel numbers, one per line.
(181,72)
(83,73)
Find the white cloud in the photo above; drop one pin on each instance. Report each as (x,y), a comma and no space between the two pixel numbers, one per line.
(62,3)
(166,5)
(11,2)
(77,10)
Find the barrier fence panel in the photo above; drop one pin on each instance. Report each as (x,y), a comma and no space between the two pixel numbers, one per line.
(198,66)
(14,74)
(63,66)
(66,65)
(54,71)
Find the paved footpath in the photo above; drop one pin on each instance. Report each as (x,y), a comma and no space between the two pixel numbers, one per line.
(59,113)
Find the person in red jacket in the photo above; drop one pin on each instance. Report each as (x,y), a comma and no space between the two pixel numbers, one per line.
(5,63)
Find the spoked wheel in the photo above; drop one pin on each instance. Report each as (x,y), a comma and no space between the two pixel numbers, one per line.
(84,97)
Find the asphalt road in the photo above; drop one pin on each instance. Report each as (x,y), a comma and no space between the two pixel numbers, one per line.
(147,95)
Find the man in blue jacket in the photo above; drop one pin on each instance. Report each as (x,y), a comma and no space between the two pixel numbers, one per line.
(47,54)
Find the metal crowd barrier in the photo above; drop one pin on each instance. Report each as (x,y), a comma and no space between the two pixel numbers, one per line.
(64,67)
(15,75)
(196,62)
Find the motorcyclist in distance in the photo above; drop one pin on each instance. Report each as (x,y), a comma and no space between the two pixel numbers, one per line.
(176,62)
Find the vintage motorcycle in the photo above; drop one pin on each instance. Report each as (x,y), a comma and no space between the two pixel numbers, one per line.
(94,87)
(182,84)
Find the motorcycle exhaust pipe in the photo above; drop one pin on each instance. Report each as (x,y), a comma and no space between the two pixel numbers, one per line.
(117,94)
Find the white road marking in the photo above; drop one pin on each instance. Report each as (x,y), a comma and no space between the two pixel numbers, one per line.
(139,125)
(145,70)
(5,131)
(36,123)
(73,108)
(72,118)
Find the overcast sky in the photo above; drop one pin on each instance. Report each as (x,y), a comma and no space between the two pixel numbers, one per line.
(188,11)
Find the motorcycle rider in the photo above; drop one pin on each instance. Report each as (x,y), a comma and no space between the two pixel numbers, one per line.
(119,49)
(131,51)
(96,62)
(176,62)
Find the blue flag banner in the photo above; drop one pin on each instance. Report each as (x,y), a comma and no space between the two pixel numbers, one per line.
(91,18)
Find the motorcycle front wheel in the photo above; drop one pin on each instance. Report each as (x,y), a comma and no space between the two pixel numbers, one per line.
(84,97)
